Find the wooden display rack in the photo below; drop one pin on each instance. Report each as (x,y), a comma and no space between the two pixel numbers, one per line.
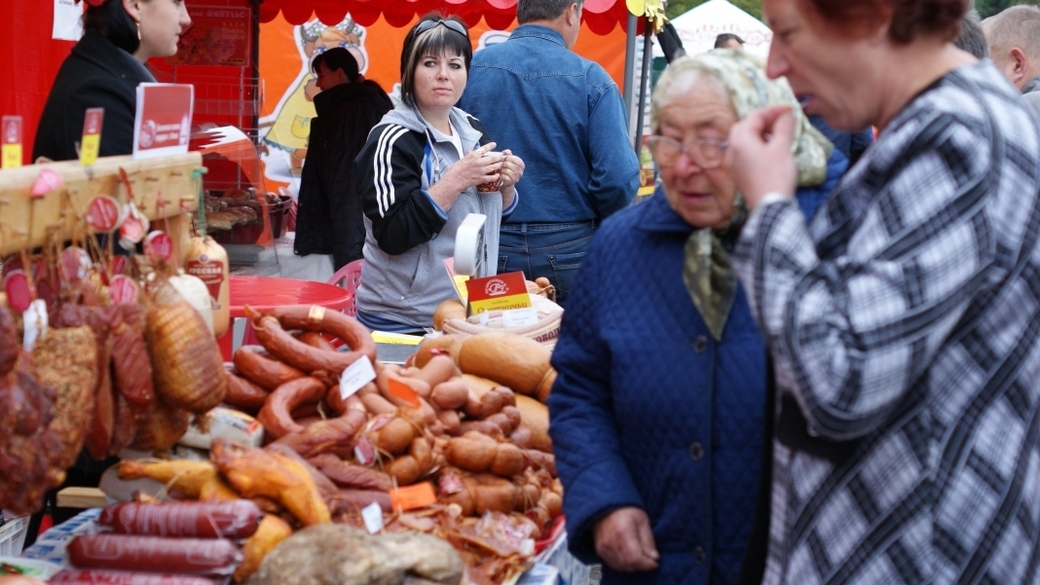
(164,189)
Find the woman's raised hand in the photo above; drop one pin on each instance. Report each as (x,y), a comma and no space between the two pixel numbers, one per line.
(512,169)
(481,165)
(760,154)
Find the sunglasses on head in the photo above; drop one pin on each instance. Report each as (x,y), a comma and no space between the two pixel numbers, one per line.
(451,24)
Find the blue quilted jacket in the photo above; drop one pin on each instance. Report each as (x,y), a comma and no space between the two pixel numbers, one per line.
(649,411)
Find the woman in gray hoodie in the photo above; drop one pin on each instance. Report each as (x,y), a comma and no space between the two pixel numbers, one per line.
(419,173)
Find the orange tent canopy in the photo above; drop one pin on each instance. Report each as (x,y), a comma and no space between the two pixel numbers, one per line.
(600,15)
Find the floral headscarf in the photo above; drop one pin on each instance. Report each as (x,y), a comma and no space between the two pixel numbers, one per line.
(744,79)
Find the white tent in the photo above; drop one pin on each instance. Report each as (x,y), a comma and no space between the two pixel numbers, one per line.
(699,26)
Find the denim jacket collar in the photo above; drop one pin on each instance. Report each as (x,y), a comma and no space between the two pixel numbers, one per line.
(537,31)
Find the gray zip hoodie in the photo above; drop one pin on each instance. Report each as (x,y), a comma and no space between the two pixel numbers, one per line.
(407,235)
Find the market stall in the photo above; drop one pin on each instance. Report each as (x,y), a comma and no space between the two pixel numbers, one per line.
(265,458)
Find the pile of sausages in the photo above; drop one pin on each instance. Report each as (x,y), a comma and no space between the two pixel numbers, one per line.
(410,424)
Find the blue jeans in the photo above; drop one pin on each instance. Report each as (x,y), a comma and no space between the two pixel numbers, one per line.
(552,250)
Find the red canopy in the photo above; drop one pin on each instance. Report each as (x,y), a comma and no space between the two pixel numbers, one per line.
(600,15)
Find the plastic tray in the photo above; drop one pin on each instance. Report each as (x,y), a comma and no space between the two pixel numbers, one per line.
(12,535)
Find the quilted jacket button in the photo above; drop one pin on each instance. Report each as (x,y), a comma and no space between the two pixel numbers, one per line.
(698,554)
(701,344)
(696,451)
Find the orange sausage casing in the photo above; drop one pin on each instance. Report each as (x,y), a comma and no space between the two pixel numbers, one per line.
(271,331)
(276,415)
(315,339)
(261,369)
(451,394)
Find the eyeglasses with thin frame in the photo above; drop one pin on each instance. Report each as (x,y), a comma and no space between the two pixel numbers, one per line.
(451,24)
(706,153)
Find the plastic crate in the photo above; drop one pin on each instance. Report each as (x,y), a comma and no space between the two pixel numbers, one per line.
(12,535)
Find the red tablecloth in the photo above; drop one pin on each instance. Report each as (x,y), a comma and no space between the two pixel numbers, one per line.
(266,292)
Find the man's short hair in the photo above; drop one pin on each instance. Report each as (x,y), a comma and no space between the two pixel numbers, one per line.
(972,39)
(532,10)
(337,58)
(1017,26)
(723,39)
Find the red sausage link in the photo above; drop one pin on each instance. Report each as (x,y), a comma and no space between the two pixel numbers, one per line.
(157,554)
(227,519)
(271,331)
(276,415)
(83,577)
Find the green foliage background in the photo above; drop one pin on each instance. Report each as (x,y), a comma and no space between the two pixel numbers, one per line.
(754,7)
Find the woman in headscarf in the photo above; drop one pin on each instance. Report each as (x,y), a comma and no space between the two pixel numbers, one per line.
(657,414)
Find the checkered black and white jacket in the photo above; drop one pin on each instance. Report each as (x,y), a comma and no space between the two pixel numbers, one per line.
(904,325)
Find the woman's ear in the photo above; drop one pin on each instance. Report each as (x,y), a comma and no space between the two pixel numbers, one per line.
(133,8)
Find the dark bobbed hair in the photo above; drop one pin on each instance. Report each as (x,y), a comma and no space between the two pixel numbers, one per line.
(723,38)
(910,18)
(112,21)
(439,40)
(337,58)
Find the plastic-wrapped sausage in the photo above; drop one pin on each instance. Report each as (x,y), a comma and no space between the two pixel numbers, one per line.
(154,554)
(85,577)
(227,519)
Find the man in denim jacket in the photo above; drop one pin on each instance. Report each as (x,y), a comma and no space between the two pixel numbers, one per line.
(564,116)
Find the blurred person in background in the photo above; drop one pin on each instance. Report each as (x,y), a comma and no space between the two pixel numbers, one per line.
(903,322)
(330,219)
(1014,45)
(729,41)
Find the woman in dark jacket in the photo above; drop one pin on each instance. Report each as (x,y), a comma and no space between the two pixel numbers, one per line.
(103,71)
(330,217)
(658,412)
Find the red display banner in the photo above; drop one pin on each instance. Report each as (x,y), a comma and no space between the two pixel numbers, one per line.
(219,35)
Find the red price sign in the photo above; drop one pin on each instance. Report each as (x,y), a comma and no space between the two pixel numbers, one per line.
(122,289)
(19,292)
(158,245)
(103,213)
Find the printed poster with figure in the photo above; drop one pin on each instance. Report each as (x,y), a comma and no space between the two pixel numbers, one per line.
(219,35)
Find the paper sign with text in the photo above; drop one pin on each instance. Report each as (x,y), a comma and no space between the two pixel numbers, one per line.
(355,376)
(413,496)
(500,292)
(90,145)
(11,142)
(163,121)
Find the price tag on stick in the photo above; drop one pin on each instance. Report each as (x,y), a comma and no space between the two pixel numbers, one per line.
(11,142)
(403,391)
(91,143)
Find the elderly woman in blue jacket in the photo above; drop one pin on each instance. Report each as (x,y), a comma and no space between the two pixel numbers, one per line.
(658,412)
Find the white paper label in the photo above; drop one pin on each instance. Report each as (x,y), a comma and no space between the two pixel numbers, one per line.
(35,319)
(68,20)
(354,377)
(519,317)
(373,516)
